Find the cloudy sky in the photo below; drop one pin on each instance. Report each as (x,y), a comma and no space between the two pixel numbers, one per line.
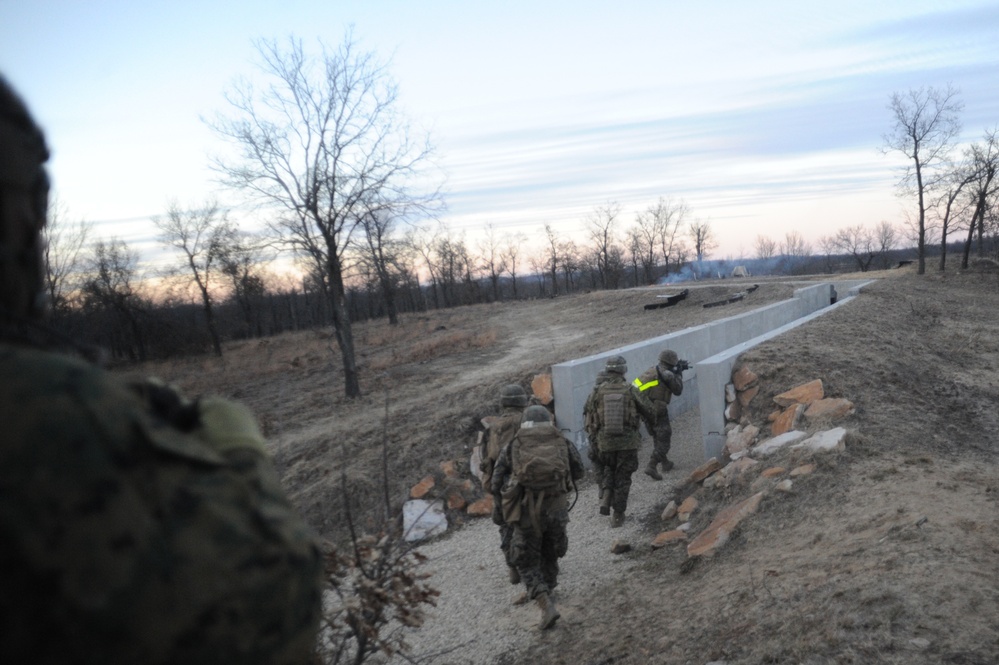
(764,117)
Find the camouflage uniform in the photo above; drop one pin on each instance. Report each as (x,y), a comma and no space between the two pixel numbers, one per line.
(659,383)
(591,425)
(619,452)
(135,527)
(536,549)
(501,431)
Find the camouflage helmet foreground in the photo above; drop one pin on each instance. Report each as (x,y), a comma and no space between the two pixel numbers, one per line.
(668,358)
(24,189)
(536,414)
(513,395)
(616,365)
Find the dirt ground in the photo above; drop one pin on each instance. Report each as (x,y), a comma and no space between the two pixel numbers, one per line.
(888,553)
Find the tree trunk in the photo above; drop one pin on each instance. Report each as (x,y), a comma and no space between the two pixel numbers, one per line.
(341,327)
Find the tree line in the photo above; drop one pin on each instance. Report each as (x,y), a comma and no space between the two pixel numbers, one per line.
(350,191)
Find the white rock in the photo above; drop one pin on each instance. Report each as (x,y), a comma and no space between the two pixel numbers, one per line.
(684,527)
(729,393)
(784,486)
(771,446)
(423,519)
(475,461)
(825,441)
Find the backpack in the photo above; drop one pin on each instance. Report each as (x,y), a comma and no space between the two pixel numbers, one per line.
(501,431)
(540,460)
(618,413)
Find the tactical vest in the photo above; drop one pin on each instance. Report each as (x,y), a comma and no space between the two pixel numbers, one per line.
(617,412)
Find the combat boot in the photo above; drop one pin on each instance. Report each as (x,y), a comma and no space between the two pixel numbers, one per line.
(651,472)
(514,575)
(667,466)
(605,503)
(617,520)
(549,615)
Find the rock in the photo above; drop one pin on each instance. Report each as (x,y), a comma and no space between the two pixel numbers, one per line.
(802,470)
(743,378)
(788,420)
(826,441)
(738,466)
(455,501)
(423,519)
(669,512)
(773,471)
(830,408)
(541,386)
(667,537)
(771,446)
(718,532)
(729,393)
(620,547)
(733,412)
(474,461)
(747,395)
(481,508)
(806,393)
(784,485)
(714,481)
(420,489)
(685,527)
(449,468)
(919,642)
(688,506)
(774,415)
(704,470)
(741,438)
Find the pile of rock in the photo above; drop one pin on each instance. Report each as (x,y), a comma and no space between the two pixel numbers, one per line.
(448,490)
(795,424)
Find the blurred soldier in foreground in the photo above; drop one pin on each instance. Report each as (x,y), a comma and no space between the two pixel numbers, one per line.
(499,432)
(619,408)
(532,479)
(135,526)
(659,383)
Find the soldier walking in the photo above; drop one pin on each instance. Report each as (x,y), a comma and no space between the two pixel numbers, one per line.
(619,407)
(499,432)
(658,384)
(533,476)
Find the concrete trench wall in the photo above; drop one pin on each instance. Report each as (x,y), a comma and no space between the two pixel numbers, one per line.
(711,349)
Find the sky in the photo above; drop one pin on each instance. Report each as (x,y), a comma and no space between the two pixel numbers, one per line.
(763,117)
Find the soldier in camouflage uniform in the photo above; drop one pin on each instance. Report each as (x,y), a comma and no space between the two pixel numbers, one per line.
(538,518)
(591,427)
(618,441)
(501,430)
(135,526)
(659,383)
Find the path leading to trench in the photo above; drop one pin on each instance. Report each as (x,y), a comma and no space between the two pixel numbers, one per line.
(476,623)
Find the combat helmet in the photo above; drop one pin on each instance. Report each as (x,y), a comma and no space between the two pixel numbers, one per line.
(536,414)
(513,395)
(668,358)
(616,365)
(24,189)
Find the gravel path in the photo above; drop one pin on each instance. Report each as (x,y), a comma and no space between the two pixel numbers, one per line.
(476,623)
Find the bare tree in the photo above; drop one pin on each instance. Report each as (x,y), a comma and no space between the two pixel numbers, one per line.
(794,250)
(984,158)
(701,235)
(201,236)
(379,252)
(552,256)
(926,124)
(323,142)
(766,248)
(858,242)
(602,223)
(493,263)
(64,245)
(952,208)
(111,289)
(885,239)
(512,257)
(241,262)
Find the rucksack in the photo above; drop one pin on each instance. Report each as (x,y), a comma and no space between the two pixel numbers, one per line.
(618,413)
(540,459)
(501,431)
